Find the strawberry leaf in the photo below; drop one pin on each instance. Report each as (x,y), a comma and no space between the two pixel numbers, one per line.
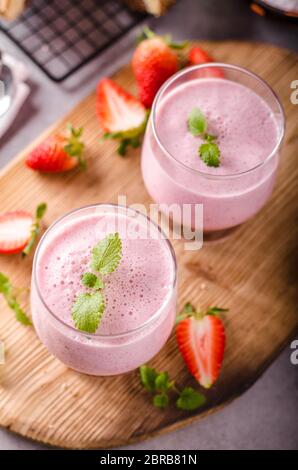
(216,310)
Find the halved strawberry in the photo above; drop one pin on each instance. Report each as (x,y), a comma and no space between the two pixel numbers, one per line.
(201,340)
(120,114)
(198,56)
(15,231)
(58,152)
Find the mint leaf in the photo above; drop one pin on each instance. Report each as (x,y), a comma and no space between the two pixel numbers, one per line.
(210,137)
(162,382)
(87,311)
(40,211)
(106,254)
(35,229)
(210,153)
(197,123)
(92,281)
(216,310)
(148,377)
(21,316)
(6,289)
(161,400)
(5,286)
(190,399)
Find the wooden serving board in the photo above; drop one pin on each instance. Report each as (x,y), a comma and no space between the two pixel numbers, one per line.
(253,273)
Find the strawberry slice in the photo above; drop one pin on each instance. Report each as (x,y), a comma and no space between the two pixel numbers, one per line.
(15,231)
(198,56)
(201,341)
(120,114)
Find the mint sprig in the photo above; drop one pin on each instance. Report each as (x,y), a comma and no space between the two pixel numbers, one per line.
(7,290)
(88,307)
(160,385)
(35,229)
(209,151)
(87,311)
(197,123)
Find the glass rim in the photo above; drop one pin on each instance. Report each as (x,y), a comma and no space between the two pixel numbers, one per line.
(243,70)
(100,335)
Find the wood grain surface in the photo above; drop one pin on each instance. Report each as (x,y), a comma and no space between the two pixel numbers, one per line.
(254,273)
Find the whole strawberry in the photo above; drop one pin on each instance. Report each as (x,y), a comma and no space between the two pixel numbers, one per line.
(58,152)
(153,63)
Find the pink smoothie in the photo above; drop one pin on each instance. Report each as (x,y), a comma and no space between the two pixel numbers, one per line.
(247,132)
(142,286)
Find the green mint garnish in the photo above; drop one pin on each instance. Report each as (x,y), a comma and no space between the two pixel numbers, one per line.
(159,384)
(148,377)
(87,311)
(92,281)
(161,400)
(190,399)
(35,229)
(210,154)
(88,308)
(210,137)
(7,290)
(208,151)
(107,254)
(197,123)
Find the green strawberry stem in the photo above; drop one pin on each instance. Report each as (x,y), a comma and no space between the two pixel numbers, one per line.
(128,138)
(75,146)
(147,33)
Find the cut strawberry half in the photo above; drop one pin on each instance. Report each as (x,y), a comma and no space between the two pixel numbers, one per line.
(201,341)
(120,114)
(15,231)
(198,56)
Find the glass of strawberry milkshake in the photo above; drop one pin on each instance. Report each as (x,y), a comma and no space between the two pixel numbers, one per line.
(103,294)
(213,138)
